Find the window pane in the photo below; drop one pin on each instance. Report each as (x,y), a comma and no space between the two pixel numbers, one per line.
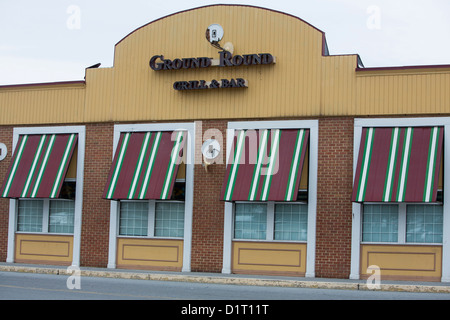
(424,223)
(169,219)
(291,222)
(133,218)
(61,216)
(30,215)
(250,221)
(380,223)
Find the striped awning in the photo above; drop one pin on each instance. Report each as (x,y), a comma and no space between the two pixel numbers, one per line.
(145,165)
(398,164)
(39,165)
(265,165)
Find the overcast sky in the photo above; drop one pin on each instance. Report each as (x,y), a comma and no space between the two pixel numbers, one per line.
(55,40)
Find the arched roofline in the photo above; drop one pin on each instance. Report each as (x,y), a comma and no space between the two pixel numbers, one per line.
(324,42)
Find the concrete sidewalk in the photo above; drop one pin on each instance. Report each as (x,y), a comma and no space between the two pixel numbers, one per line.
(219,278)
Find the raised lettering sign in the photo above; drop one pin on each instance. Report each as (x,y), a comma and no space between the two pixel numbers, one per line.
(158,63)
(213,84)
(226,59)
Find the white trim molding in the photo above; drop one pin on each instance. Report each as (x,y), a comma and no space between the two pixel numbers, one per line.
(81,131)
(189,190)
(313,126)
(357,208)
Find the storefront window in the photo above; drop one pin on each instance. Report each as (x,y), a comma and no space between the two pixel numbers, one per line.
(33,215)
(412,223)
(380,223)
(169,219)
(424,223)
(61,216)
(271,221)
(30,215)
(291,222)
(250,221)
(151,218)
(133,218)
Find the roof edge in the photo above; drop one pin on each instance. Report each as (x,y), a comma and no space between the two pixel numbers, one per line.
(403,68)
(324,43)
(44,84)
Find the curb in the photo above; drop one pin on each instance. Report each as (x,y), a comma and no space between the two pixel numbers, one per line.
(233,280)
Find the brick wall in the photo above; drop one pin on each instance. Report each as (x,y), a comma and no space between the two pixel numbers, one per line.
(6,136)
(95,216)
(95,224)
(334,207)
(208,211)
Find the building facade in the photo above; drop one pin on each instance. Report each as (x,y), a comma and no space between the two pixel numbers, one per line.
(226,139)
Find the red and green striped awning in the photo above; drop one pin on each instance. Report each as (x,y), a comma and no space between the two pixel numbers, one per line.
(265,165)
(39,166)
(145,165)
(398,164)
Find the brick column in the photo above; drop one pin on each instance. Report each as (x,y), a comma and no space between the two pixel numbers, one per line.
(6,137)
(334,207)
(95,220)
(208,211)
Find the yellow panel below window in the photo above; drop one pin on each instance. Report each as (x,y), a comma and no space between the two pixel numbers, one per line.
(269,258)
(44,249)
(403,262)
(156,254)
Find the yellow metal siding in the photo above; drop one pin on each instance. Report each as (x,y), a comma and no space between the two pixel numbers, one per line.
(42,104)
(98,95)
(287,88)
(338,85)
(403,92)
